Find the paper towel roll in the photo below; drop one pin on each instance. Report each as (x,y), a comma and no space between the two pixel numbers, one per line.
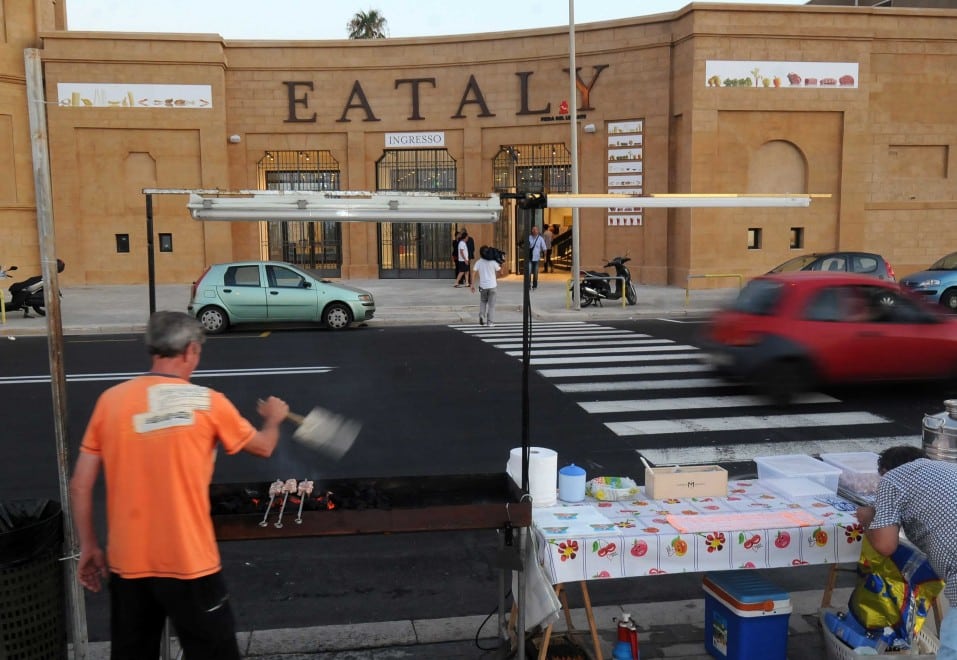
(542,473)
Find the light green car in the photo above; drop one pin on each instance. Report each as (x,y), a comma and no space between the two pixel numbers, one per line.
(274,292)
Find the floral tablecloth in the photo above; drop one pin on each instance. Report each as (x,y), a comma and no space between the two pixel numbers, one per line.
(630,538)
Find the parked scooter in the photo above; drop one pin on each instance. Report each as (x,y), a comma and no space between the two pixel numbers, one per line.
(598,285)
(28,294)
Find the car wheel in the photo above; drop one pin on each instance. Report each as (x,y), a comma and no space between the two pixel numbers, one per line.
(949,299)
(784,379)
(337,316)
(213,320)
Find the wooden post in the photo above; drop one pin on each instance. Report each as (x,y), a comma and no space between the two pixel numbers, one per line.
(44,201)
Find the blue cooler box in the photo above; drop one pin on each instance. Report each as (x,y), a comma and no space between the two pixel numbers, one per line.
(746,616)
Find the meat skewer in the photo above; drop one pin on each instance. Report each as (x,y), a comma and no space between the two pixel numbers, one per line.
(274,489)
(288,487)
(304,490)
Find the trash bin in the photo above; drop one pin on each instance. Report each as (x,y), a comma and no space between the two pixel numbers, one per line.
(32,602)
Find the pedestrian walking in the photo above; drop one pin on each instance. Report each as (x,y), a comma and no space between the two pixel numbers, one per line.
(487,270)
(462,261)
(536,247)
(548,236)
(470,243)
(919,496)
(158,433)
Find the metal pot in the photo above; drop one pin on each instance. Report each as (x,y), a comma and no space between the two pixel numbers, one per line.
(940,433)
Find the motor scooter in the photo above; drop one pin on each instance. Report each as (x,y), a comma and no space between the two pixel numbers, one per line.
(596,285)
(28,294)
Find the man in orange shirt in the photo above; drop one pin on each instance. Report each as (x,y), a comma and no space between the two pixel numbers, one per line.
(158,433)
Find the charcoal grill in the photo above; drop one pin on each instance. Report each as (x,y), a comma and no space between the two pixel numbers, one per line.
(380,505)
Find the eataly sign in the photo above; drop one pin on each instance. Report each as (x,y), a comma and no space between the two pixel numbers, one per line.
(298,96)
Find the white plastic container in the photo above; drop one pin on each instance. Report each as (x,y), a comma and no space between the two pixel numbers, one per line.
(795,487)
(798,465)
(858,471)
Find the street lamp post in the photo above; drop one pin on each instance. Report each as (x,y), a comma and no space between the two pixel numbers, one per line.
(573,108)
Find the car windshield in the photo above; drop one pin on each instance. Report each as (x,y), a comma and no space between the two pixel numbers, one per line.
(759,297)
(797,263)
(946,263)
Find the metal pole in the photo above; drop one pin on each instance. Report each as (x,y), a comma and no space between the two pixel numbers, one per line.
(44,201)
(150,258)
(573,106)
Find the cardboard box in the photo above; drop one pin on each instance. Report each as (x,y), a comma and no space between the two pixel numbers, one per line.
(662,483)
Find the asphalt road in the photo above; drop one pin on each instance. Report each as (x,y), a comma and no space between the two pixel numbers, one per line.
(433,400)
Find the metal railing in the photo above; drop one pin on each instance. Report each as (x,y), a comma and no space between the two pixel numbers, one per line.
(709,275)
(568,289)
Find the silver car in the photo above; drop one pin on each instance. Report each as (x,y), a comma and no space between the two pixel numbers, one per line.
(273,291)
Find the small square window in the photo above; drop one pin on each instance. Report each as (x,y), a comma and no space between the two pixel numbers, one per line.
(754,238)
(122,242)
(166,242)
(797,238)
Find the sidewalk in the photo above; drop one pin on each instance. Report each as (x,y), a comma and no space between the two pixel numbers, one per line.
(115,309)
(672,629)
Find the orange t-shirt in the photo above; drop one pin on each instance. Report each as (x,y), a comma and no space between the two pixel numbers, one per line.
(156,436)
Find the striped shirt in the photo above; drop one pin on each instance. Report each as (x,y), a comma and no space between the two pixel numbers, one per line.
(920,497)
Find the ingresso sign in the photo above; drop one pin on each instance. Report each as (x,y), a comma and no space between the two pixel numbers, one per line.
(414,140)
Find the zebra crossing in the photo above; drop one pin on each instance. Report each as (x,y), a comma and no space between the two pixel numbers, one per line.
(643,387)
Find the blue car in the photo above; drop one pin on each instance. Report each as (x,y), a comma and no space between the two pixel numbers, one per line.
(938,283)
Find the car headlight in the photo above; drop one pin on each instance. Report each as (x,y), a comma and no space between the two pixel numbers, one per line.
(365,298)
(923,283)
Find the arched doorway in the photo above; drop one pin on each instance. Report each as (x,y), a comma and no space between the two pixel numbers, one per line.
(415,249)
(315,246)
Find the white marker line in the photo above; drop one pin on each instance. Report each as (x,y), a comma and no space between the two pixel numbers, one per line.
(616,358)
(585,333)
(622,350)
(518,324)
(560,342)
(626,385)
(692,403)
(746,451)
(662,426)
(202,373)
(582,372)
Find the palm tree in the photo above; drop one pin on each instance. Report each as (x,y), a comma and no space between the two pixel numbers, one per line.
(367,25)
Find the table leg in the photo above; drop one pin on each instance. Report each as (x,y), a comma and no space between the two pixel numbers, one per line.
(591,621)
(829,586)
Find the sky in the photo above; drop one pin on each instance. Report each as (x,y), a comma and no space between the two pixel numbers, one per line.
(327,19)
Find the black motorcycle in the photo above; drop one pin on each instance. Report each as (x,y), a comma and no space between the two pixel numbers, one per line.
(598,285)
(28,294)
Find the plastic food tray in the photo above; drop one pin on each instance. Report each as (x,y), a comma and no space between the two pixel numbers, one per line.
(611,489)
(798,465)
(858,471)
(927,644)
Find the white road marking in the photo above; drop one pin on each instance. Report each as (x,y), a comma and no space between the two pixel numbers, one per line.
(199,373)
(745,451)
(597,359)
(585,333)
(581,372)
(692,403)
(621,350)
(744,422)
(571,342)
(518,324)
(627,385)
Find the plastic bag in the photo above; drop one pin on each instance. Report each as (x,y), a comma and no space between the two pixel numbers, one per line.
(28,527)
(894,591)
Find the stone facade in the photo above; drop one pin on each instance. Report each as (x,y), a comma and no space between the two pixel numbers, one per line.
(877,141)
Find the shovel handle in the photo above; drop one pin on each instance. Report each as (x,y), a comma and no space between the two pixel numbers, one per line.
(291,416)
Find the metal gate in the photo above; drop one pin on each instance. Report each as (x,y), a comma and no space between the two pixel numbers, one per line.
(413,249)
(527,168)
(315,246)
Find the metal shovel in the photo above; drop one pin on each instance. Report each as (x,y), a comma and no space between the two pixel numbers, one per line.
(326,432)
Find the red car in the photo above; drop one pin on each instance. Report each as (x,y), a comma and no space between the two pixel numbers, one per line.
(789,332)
